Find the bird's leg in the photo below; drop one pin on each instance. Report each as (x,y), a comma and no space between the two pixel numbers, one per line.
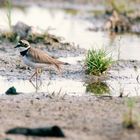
(36,78)
(49,74)
(32,76)
(59,72)
(39,74)
(35,73)
(33,84)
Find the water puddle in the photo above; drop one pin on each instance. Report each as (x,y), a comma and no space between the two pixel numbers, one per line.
(124,82)
(54,86)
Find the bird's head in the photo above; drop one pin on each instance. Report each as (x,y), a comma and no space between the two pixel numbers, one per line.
(23,43)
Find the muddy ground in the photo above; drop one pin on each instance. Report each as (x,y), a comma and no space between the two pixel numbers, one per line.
(81,117)
(84,118)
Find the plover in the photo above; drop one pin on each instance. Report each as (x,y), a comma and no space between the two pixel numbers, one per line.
(37,58)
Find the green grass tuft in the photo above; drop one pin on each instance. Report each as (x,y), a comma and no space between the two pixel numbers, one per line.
(97,62)
(99,88)
(129,120)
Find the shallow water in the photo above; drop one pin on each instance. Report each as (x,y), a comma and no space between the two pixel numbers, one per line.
(74,29)
(124,82)
(61,86)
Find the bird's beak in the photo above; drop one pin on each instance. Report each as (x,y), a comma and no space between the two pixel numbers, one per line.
(18,45)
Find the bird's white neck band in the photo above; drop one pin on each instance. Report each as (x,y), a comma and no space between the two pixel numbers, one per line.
(27,47)
(23,49)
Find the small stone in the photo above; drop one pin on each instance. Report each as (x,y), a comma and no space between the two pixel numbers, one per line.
(21,29)
(11,91)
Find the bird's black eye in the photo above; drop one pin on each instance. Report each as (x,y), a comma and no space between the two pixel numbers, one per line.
(25,45)
(20,42)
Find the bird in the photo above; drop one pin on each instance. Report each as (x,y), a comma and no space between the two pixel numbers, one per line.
(37,58)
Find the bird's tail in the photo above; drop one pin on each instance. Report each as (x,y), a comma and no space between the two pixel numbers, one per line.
(65,63)
(59,63)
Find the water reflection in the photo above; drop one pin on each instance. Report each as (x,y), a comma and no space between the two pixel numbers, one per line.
(67,86)
(37,84)
(127,85)
(100,88)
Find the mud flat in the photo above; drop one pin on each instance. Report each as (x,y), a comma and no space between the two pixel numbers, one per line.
(83,117)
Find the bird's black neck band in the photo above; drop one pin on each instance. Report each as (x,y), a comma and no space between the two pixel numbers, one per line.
(23,53)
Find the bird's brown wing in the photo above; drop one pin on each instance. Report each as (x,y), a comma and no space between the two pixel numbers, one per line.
(40,56)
